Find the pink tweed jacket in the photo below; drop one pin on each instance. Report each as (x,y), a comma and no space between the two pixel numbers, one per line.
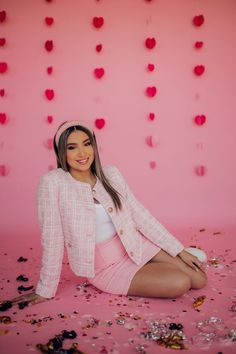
(66,215)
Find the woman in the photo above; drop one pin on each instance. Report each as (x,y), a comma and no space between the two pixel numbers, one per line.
(110,237)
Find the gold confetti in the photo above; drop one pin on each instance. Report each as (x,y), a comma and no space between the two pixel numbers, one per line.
(199,301)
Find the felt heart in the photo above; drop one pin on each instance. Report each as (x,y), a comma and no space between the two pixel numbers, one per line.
(49,0)
(2,92)
(200,170)
(98,22)
(198,44)
(3,67)
(150,43)
(50,119)
(49,70)
(198,20)
(4,170)
(151,116)
(2,41)
(199,70)
(49,144)
(49,45)
(99,48)
(99,72)
(100,122)
(3,118)
(200,119)
(153,164)
(151,141)
(49,21)
(49,94)
(151,67)
(3,16)
(151,91)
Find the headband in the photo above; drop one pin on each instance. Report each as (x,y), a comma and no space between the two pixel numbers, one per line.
(68,124)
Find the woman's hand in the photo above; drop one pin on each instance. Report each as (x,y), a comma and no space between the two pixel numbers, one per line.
(31,298)
(192,261)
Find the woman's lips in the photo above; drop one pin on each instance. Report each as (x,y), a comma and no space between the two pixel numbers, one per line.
(82,161)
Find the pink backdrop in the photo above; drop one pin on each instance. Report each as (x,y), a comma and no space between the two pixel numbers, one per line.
(172,191)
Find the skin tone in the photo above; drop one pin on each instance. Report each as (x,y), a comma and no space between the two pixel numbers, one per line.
(164,275)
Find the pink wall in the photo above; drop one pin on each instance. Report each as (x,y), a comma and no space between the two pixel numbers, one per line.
(172,191)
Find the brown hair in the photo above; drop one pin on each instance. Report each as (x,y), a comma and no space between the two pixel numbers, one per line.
(96,166)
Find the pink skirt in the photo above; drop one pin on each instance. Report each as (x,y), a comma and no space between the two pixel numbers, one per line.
(114,270)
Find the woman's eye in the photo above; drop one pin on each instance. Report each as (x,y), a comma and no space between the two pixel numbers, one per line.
(88,143)
(70,148)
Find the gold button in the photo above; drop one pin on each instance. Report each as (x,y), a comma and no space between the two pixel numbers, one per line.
(121,232)
(93,191)
(110,209)
(131,253)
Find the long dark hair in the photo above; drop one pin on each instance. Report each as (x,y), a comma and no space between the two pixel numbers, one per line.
(96,166)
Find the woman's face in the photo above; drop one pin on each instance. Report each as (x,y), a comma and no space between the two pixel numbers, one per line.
(79,153)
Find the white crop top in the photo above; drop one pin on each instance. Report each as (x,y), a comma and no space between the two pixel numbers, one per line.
(104,225)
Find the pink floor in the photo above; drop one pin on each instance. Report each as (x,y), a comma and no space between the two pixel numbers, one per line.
(115,324)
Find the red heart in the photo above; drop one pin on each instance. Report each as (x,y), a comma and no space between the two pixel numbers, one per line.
(3,16)
(49,94)
(198,44)
(99,72)
(4,170)
(3,118)
(99,48)
(49,20)
(199,70)
(49,46)
(151,67)
(151,91)
(98,22)
(3,67)
(150,43)
(100,122)
(151,116)
(49,70)
(2,41)
(200,170)
(198,20)
(2,92)
(200,119)
(50,119)
(49,0)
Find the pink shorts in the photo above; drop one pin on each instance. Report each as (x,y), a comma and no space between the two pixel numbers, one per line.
(114,270)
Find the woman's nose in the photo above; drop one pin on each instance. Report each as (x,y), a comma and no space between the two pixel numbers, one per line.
(81,152)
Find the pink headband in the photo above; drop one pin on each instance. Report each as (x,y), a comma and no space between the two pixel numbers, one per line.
(68,124)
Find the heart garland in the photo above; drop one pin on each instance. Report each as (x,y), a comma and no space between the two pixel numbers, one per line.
(200,170)
(150,43)
(3,16)
(151,116)
(49,93)
(2,92)
(50,119)
(151,141)
(49,70)
(199,70)
(200,119)
(3,118)
(98,47)
(151,67)
(98,22)
(198,20)
(151,91)
(4,170)
(198,44)
(100,123)
(49,45)
(2,41)
(3,67)
(49,21)
(49,144)
(152,164)
(99,72)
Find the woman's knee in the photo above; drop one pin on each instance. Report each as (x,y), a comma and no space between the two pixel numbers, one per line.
(181,285)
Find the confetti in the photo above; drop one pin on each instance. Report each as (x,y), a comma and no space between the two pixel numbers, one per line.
(199,301)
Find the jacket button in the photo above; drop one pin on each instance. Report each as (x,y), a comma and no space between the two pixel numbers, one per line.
(93,191)
(131,253)
(69,245)
(121,232)
(110,209)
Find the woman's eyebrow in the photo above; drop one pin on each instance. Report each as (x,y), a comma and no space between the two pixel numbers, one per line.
(84,141)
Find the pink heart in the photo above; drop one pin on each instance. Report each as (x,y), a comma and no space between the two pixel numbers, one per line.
(150,43)
(100,122)
(50,119)
(3,118)
(4,170)
(200,119)
(49,70)
(99,48)
(2,92)
(49,20)
(199,69)
(151,91)
(200,170)
(3,67)
(151,67)
(99,72)
(151,116)
(49,94)
(151,141)
(98,22)
(153,164)
(49,144)
(2,41)
(198,44)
